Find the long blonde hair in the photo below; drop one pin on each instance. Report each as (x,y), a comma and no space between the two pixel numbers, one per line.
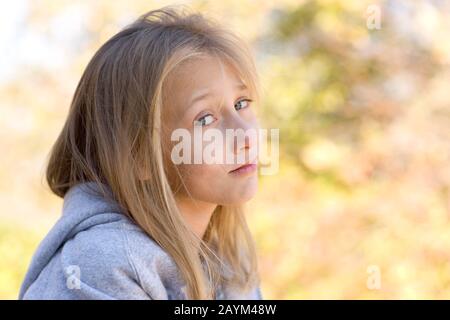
(112,136)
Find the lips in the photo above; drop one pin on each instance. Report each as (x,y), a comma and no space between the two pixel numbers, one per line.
(244,168)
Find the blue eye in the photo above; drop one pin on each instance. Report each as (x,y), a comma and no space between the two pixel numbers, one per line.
(205,120)
(247,103)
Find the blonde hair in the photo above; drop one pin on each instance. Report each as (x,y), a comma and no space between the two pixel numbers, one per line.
(115,113)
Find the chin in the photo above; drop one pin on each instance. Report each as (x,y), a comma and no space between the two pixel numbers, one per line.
(240,197)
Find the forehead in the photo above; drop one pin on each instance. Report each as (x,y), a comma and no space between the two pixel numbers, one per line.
(200,74)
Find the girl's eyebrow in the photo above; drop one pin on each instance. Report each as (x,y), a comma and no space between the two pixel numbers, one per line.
(205,93)
(199,96)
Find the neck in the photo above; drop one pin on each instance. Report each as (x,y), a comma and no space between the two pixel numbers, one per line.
(197,214)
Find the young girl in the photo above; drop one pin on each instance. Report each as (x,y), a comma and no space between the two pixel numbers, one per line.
(135,225)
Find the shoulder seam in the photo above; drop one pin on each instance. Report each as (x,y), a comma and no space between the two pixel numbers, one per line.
(130,259)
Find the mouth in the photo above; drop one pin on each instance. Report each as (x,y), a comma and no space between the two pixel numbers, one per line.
(246,168)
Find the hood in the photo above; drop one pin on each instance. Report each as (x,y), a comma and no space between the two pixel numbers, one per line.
(83,208)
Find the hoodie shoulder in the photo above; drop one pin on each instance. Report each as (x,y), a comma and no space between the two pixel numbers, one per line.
(120,261)
(94,251)
(93,265)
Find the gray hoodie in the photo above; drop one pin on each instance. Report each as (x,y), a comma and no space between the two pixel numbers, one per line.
(96,252)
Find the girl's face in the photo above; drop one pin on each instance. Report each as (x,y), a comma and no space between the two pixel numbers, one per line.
(207,92)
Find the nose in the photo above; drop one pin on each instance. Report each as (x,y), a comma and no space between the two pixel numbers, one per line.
(243,140)
(241,143)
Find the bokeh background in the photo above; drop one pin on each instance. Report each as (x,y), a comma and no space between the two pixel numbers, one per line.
(363,188)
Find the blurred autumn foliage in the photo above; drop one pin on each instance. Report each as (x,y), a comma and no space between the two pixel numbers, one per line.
(364,119)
